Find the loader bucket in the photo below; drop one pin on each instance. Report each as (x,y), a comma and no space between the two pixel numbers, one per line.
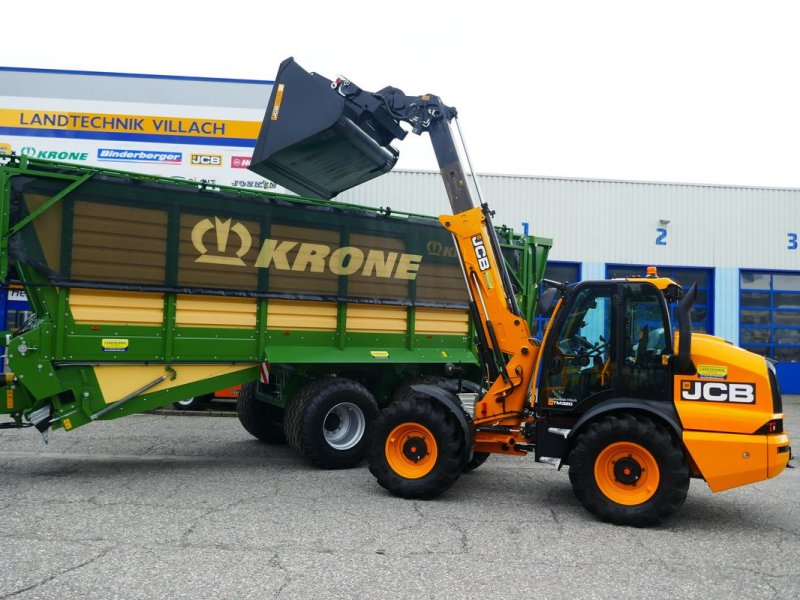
(310,141)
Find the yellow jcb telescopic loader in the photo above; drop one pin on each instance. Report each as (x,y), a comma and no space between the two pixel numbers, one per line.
(634,408)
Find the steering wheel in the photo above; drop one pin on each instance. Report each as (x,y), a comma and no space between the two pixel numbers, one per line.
(586,348)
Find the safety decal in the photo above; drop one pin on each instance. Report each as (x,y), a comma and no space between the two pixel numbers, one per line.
(114,345)
(264,373)
(712,371)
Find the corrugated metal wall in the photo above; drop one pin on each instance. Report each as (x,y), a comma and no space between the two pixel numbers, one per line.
(621,221)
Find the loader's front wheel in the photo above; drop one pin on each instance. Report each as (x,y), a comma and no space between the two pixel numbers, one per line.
(418,448)
(628,470)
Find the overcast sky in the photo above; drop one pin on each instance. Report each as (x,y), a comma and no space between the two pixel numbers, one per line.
(684,91)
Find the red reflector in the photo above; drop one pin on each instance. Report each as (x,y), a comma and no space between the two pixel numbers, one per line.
(773,426)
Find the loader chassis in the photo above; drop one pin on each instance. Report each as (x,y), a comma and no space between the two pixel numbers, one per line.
(612,401)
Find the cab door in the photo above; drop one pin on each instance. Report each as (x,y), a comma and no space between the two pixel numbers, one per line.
(580,354)
(646,343)
(611,340)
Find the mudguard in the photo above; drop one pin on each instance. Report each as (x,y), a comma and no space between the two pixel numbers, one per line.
(663,411)
(452,403)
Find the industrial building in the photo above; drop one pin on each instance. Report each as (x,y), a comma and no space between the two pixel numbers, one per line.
(739,244)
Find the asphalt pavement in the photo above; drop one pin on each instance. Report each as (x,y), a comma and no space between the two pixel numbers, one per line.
(169,506)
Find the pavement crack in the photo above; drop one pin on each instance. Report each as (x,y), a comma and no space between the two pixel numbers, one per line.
(275,563)
(61,572)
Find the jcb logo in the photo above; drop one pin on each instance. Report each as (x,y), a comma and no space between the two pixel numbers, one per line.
(207,160)
(480,252)
(718,391)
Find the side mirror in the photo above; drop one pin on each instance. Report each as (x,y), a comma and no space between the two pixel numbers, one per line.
(547,302)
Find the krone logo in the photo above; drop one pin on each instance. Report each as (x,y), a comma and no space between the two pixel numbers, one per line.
(290,255)
(223,229)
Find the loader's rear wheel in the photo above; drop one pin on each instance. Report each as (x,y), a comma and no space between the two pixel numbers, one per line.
(418,448)
(629,470)
(329,422)
(262,420)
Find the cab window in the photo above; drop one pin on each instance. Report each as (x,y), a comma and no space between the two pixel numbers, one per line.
(581,359)
(646,343)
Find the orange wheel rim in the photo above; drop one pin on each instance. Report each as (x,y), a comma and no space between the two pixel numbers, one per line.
(411,450)
(627,473)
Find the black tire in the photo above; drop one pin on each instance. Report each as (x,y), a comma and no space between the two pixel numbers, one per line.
(418,448)
(478,458)
(263,421)
(629,470)
(330,421)
(451,385)
(194,403)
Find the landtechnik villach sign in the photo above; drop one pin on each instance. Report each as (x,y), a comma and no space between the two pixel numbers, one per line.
(22,122)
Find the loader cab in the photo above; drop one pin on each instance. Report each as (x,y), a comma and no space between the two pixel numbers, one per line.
(608,339)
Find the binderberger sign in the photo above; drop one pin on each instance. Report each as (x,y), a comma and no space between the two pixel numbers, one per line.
(232,242)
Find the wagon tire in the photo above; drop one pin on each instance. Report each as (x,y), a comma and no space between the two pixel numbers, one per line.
(330,421)
(194,403)
(262,420)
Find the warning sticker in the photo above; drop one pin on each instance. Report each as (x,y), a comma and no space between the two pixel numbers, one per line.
(712,371)
(383,354)
(114,345)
